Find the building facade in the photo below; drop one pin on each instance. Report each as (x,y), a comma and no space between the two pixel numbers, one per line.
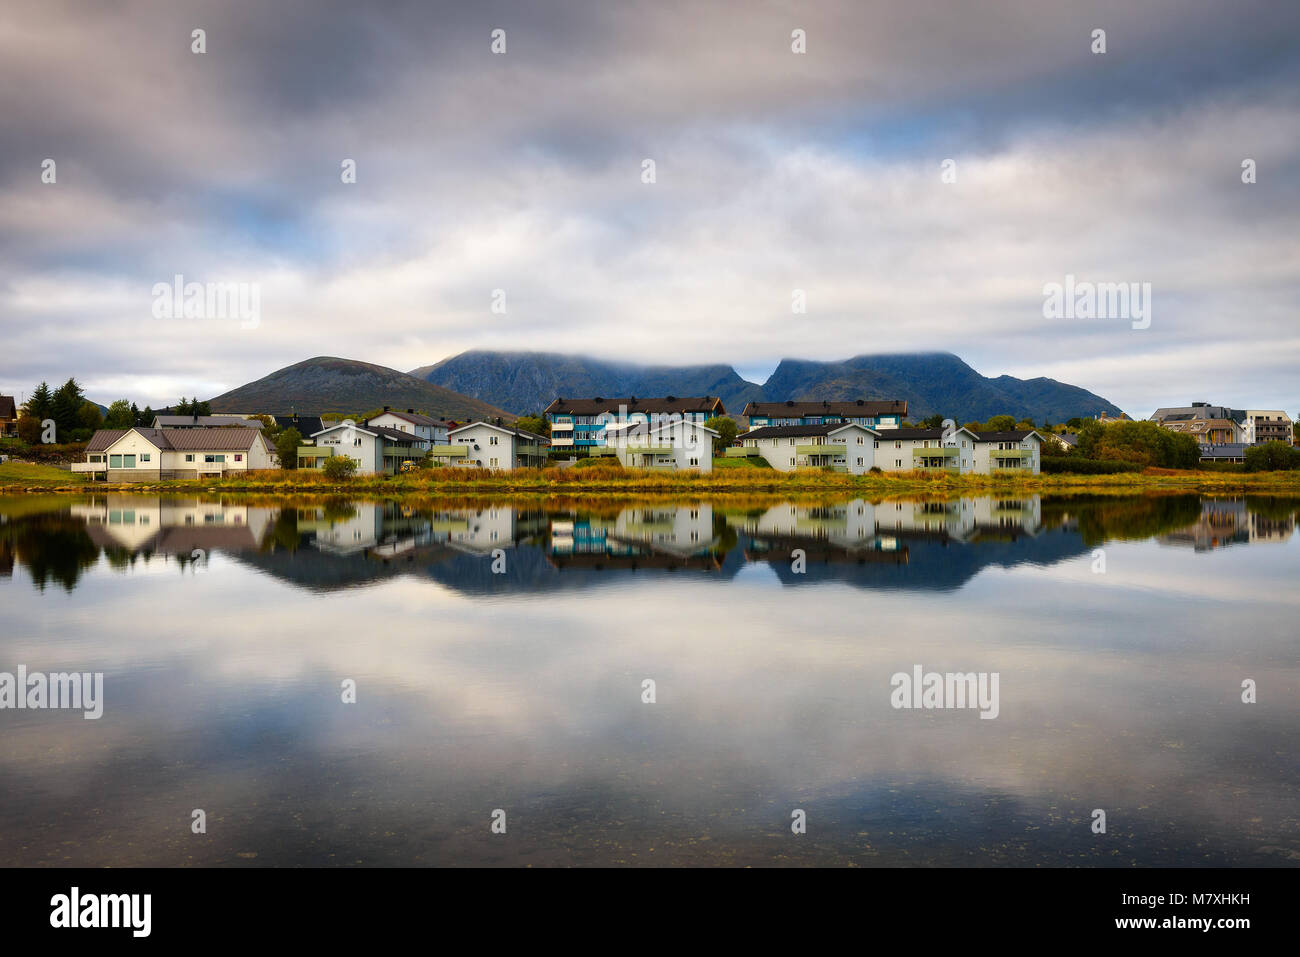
(1269,425)
(151,455)
(676,447)
(873,413)
(842,447)
(431,430)
(375,448)
(580,423)
(489,446)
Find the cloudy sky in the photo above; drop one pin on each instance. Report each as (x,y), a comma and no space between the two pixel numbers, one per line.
(774,171)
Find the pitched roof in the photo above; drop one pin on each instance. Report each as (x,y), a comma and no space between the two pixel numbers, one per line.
(794,431)
(671,403)
(912,434)
(850,408)
(394,435)
(7,408)
(521,433)
(415,418)
(204,421)
(188,440)
(305,424)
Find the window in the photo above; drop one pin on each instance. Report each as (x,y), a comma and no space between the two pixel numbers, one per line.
(128,461)
(492,440)
(492,463)
(239,458)
(695,461)
(189,457)
(859,462)
(115,462)
(214,458)
(144,456)
(898,463)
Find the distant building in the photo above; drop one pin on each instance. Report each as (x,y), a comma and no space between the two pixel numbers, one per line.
(8,415)
(307,425)
(1268,425)
(489,446)
(872,413)
(580,423)
(434,431)
(1228,452)
(204,421)
(675,447)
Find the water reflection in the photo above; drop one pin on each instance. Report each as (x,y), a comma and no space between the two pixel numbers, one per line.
(224,628)
(931,544)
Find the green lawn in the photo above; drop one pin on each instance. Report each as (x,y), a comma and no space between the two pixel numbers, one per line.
(28,473)
(748,462)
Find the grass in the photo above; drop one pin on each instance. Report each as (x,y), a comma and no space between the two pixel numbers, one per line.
(32,475)
(611,479)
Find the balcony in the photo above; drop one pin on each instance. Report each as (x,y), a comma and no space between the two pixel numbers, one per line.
(449,451)
(822,448)
(944,453)
(741,453)
(90,466)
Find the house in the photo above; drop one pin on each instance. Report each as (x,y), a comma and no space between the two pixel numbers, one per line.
(1228,452)
(431,430)
(8,415)
(843,447)
(491,446)
(204,421)
(151,455)
(1268,425)
(307,425)
(580,423)
(905,450)
(1207,431)
(375,448)
(873,413)
(674,447)
(1020,450)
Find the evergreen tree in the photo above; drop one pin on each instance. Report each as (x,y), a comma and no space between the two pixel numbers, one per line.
(40,404)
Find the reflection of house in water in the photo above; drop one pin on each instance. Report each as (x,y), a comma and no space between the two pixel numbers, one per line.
(1230,522)
(859,526)
(390,530)
(642,536)
(172,526)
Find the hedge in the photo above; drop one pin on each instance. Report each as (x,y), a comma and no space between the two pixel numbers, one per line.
(1066,464)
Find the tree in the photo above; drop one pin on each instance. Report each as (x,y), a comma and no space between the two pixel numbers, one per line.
(286,448)
(1272,457)
(725,426)
(933,421)
(145,418)
(1025,424)
(536,424)
(339,468)
(121,415)
(1075,423)
(1000,423)
(89,416)
(40,404)
(29,428)
(65,407)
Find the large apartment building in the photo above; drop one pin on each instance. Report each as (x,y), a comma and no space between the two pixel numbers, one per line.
(580,423)
(1268,425)
(849,447)
(871,413)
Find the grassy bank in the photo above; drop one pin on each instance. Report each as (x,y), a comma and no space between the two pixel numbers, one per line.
(607,480)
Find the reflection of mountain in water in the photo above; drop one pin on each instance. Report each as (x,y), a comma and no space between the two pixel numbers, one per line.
(889,544)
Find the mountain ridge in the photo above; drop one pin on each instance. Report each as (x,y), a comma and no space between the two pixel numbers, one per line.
(931,382)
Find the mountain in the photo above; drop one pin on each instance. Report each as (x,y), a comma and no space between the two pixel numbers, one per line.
(329,384)
(933,382)
(527,382)
(930,382)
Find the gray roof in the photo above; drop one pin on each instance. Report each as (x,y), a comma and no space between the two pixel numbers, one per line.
(794,431)
(201,439)
(521,433)
(1230,450)
(1016,436)
(203,421)
(852,408)
(413,417)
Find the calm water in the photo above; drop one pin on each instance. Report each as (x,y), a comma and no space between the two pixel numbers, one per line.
(225,632)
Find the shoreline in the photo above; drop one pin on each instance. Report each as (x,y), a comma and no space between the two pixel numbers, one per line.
(802,483)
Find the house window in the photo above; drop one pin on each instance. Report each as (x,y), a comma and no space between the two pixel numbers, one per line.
(128,461)
(239,458)
(898,463)
(115,461)
(859,462)
(492,463)
(144,456)
(189,457)
(492,440)
(214,458)
(695,461)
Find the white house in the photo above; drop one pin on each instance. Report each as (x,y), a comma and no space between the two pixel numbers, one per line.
(489,446)
(842,447)
(675,447)
(1017,451)
(375,448)
(907,450)
(152,455)
(432,431)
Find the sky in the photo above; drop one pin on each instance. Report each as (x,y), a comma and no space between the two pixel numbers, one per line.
(517,180)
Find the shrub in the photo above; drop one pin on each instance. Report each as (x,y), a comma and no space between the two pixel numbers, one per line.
(1059,464)
(1272,457)
(339,468)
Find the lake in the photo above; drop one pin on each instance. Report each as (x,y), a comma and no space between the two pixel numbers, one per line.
(579,682)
